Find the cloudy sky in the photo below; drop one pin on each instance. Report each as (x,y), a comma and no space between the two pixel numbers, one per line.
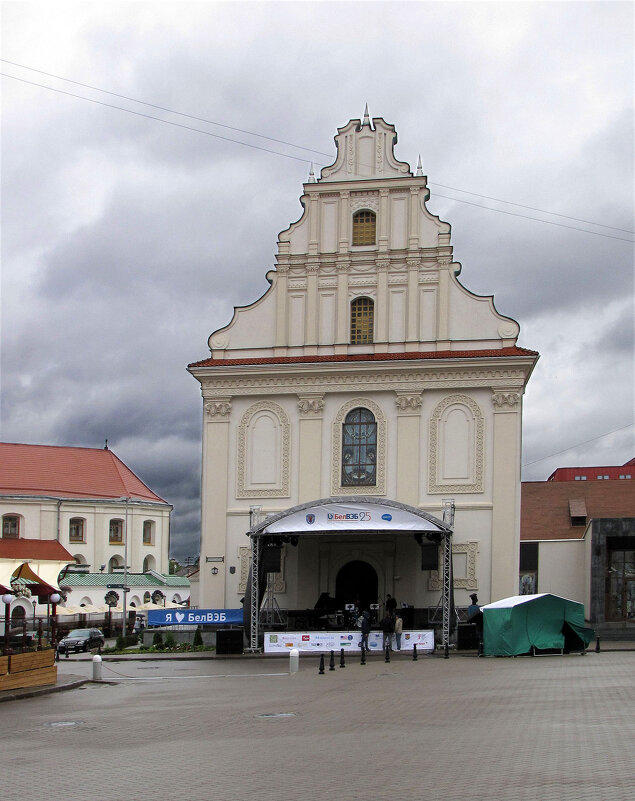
(126,240)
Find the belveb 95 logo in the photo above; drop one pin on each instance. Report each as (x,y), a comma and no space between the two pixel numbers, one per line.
(359,517)
(310,519)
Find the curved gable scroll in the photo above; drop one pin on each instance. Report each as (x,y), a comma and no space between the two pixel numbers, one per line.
(379,488)
(456,446)
(263,452)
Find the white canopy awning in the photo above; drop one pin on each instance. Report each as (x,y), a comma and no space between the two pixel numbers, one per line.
(350,516)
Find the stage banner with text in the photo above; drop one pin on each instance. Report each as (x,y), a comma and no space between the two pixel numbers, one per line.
(316,641)
(194,617)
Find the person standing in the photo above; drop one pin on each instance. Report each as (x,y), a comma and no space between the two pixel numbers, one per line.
(387,627)
(474,615)
(391,605)
(398,630)
(365,626)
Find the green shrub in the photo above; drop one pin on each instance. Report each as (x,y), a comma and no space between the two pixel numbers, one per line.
(198,637)
(131,639)
(120,644)
(170,642)
(157,639)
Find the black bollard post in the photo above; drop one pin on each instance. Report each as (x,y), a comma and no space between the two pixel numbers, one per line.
(342,663)
(446,654)
(363,660)
(67,650)
(387,656)
(321,670)
(597,645)
(414,653)
(332,661)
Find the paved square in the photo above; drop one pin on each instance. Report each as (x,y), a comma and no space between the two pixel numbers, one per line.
(547,728)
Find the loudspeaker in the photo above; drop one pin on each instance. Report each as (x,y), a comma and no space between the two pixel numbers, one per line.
(429,556)
(271,559)
(229,641)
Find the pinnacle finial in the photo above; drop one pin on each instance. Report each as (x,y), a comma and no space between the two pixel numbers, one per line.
(311,175)
(366,117)
(419,167)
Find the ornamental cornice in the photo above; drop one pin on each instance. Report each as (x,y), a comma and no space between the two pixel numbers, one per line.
(414,264)
(400,278)
(282,269)
(343,266)
(423,378)
(383,264)
(328,283)
(429,278)
(365,193)
(362,282)
(297,283)
(313,267)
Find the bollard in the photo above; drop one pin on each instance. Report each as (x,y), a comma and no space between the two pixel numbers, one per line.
(67,652)
(414,653)
(332,661)
(97,668)
(363,659)
(387,656)
(446,654)
(294,661)
(597,645)
(342,663)
(321,670)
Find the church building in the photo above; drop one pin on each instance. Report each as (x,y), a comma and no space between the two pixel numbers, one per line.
(366,381)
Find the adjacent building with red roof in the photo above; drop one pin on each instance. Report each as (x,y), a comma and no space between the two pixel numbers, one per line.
(67,506)
(578,539)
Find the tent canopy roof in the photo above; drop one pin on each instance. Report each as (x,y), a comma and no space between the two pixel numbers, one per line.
(350,515)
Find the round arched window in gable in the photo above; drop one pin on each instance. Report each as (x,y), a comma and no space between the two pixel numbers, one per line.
(359,449)
(364,227)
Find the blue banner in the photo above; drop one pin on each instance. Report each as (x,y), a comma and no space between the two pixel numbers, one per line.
(194,617)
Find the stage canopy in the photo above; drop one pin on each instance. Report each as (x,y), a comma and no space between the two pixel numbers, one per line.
(354,515)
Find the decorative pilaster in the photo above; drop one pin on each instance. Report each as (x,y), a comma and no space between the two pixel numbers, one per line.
(214,485)
(412,333)
(310,408)
(343,315)
(408,445)
(282,272)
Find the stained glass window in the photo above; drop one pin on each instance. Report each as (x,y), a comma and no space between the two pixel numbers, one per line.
(359,449)
(362,321)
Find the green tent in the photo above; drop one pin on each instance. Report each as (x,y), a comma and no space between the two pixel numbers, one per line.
(525,624)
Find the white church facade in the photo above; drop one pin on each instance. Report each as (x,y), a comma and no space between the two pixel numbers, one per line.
(366,374)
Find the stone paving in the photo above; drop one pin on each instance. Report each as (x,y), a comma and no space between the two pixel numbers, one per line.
(528,729)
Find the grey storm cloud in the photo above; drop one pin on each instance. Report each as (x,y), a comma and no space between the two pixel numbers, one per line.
(126,241)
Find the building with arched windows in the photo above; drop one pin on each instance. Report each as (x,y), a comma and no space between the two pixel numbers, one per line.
(367,376)
(69,509)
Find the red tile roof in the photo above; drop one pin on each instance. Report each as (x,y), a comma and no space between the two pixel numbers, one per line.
(65,472)
(370,357)
(545,511)
(35,550)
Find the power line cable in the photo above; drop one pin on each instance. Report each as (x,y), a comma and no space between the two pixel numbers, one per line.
(286,155)
(291,144)
(160,108)
(586,442)
(158,119)
(535,219)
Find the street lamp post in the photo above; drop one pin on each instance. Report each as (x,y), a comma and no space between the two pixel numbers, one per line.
(6,600)
(55,599)
(34,602)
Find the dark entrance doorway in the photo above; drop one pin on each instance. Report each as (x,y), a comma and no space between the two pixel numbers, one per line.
(356,582)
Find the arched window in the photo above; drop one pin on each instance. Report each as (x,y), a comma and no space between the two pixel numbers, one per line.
(362,321)
(359,449)
(76,529)
(149,563)
(114,563)
(10,527)
(364,227)
(148,532)
(146,597)
(115,533)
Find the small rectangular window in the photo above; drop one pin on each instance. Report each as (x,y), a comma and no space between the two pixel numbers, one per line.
(10,527)
(115,536)
(76,530)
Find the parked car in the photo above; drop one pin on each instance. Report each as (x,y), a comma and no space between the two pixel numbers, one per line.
(81,640)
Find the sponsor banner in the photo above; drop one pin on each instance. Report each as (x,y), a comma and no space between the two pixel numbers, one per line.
(351,518)
(316,641)
(192,617)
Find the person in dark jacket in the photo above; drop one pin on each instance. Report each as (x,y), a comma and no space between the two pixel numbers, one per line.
(388,628)
(365,625)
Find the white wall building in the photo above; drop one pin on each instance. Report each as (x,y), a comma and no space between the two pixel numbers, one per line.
(366,369)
